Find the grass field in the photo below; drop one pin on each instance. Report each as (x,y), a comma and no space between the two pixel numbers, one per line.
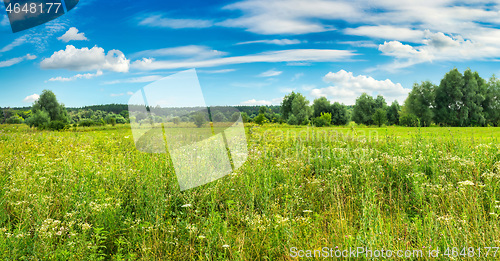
(88,194)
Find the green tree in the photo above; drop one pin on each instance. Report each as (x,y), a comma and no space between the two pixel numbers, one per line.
(286,105)
(474,92)
(393,113)
(491,103)
(39,119)
(364,109)
(408,120)
(449,99)
(48,102)
(339,114)
(420,102)
(320,106)
(219,117)
(380,117)
(235,116)
(301,109)
(176,120)
(199,119)
(260,119)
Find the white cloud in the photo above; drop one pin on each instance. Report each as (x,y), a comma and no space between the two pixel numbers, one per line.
(72,35)
(297,76)
(149,78)
(216,71)
(190,51)
(85,59)
(163,22)
(274,41)
(348,87)
(4,21)
(270,73)
(287,16)
(16,60)
(31,98)
(436,47)
(18,41)
(294,55)
(387,32)
(117,94)
(130,93)
(254,102)
(75,77)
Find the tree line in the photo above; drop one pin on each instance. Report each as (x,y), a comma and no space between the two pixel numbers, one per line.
(459,100)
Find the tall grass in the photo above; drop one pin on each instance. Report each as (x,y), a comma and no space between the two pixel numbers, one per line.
(90,195)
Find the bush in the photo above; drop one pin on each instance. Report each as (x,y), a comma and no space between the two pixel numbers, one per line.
(323,120)
(409,120)
(261,119)
(15,119)
(56,125)
(292,120)
(39,119)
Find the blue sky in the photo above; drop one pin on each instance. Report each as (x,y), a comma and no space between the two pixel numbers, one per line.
(249,52)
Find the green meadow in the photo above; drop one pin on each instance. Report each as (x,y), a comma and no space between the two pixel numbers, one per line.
(89,194)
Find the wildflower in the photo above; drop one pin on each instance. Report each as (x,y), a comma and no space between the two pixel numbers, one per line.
(201,237)
(225,246)
(466,183)
(186,206)
(307,211)
(86,226)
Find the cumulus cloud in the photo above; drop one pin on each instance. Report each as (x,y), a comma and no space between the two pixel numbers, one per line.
(274,41)
(436,47)
(72,35)
(347,87)
(294,55)
(16,60)
(270,73)
(159,21)
(85,59)
(75,77)
(31,98)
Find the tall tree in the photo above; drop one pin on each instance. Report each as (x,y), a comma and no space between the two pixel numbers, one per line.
(364,109)
(339,114)
(286,105)
(474,92)
(491,103)
(380,117)
(393,113)
(448,99)
(420,102)
(301,109)
(321,105)
(48,103)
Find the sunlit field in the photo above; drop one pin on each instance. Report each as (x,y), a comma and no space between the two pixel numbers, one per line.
(89,194)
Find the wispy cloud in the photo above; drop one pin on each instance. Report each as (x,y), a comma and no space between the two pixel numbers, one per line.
(294,55)
(16,60)
(254,102)
(159,21)
(189,51)
(270,73)
(75,77)
(274,41)
(149,78)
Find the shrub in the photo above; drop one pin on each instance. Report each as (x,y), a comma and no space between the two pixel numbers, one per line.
(292,120)
(323,120)
(409,120)
(56,125)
